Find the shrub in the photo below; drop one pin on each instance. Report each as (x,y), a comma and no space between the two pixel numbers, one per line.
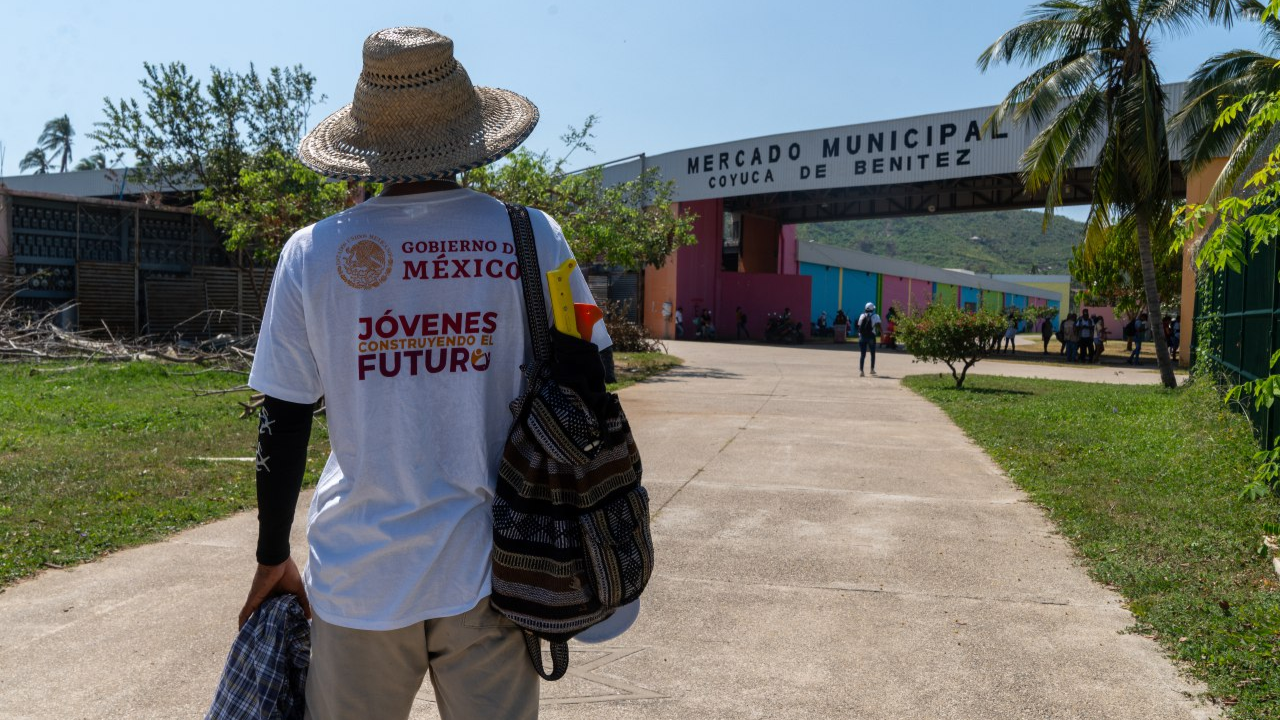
(627,336)
(947,334)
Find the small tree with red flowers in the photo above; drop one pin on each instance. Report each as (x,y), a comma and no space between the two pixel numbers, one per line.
(947,334)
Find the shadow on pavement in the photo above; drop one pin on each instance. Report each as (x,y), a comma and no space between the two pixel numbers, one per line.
(684,372)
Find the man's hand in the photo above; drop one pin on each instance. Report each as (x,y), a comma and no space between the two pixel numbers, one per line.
(272,580)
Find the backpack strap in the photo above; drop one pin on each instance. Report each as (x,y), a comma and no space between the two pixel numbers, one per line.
(531,281)
(536,313)
(559,656)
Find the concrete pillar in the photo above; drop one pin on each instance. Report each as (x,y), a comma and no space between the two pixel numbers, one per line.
(660,288)
(1198,187)
(760,244)
(688,277)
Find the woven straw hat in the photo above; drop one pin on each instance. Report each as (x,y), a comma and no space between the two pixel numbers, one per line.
(416,116)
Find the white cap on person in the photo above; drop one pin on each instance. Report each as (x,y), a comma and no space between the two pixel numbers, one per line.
(871,307)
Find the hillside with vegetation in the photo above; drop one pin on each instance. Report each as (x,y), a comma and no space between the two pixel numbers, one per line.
(1010,241)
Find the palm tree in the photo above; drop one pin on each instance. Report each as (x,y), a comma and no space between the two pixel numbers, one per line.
(35,160)
(96,161)
(1097,87)
(56,141)
(1223,80)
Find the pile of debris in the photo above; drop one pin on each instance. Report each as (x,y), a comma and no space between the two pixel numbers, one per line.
(28,335)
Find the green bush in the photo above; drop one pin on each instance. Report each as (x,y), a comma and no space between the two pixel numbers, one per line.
(628,336)
(947,334)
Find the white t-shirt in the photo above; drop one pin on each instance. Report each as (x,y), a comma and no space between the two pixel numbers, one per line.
(406,314)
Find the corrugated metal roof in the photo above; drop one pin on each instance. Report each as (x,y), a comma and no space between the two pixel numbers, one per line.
(1033,278)
(6,191)
(81,183)
(819,254)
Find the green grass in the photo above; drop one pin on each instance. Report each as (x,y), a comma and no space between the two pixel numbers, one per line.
(104,457)
(1145,483)
(98,458)
(631,368)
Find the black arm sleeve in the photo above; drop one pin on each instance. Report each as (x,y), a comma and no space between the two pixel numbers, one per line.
(284,429)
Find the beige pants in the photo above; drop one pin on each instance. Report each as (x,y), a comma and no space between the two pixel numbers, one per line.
(477,660)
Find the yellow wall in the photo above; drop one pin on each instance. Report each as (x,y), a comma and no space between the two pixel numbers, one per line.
(1062,289)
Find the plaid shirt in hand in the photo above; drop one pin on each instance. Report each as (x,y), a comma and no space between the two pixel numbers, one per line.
(266,671)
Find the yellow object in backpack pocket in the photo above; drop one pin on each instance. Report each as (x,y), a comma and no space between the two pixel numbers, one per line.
(561,292)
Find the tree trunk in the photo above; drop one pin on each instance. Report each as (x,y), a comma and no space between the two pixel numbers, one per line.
(1153,301)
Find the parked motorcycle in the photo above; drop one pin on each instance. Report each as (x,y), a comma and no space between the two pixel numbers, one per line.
(779,329)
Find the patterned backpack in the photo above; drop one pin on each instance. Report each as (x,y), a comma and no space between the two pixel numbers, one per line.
(571,541)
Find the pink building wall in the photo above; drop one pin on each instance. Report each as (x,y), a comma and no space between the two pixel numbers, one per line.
(760,294)
(697,265)
(1115,327)
(893,293)
(788,257)
(702,284)
(920,292)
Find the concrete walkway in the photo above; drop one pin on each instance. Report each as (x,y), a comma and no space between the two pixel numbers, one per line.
(829,546)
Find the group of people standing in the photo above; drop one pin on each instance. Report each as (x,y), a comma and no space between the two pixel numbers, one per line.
(704,328)
(1083,337)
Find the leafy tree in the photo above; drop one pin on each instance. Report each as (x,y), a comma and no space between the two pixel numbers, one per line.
(35,160)
(1109,268)
(231,141)
(628,225)
(95,161)
(1226,80)
(1097,81)
(947,334)
(186,134)
(56,141)
(1033,314)
(275,196)
(1246,222)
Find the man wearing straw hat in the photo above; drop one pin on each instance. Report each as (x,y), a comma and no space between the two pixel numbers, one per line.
(406,314)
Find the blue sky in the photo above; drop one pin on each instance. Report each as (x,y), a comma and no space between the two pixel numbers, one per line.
(661,75)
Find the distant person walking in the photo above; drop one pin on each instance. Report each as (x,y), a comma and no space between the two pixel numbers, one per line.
(1139,334)
(742,324)
(679,322)
(868,325)
(1046,332)
(1099,337)
(1010,332)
